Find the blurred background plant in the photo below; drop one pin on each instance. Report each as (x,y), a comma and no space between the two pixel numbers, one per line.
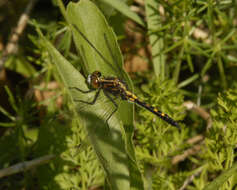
(181,56)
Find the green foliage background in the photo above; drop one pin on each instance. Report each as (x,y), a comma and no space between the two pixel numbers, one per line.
(183,67)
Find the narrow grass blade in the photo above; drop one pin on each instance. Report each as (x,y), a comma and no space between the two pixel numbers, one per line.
(216,184)
(188,81)
(156,41)
(125,10)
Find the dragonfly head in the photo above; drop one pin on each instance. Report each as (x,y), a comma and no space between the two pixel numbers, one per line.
(93,80)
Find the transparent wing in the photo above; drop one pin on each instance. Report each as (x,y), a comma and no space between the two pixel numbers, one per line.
(115,63)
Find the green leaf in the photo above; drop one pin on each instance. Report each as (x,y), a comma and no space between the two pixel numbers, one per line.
(20,65)
(7,124)
(11,99)
(98,48)
(188,81)
(156,41)
(65,44)
(125,10)
(6,113)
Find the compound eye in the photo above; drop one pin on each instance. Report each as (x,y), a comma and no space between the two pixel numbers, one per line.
(95,83)
(97,73)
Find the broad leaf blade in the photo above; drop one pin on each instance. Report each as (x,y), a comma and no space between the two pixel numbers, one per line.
(97,46)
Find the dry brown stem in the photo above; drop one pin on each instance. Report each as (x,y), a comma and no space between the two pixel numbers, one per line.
(11,46)
(23,166)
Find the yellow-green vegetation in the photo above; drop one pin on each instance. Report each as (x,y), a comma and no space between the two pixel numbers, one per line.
(50,140)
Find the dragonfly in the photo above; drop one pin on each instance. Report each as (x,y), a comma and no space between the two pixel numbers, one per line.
(114,87)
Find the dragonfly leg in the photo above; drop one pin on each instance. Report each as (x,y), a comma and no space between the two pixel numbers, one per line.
(82,91)
(115,104)
(93,101)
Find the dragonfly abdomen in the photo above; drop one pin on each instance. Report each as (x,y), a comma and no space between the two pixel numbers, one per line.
(157,112)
